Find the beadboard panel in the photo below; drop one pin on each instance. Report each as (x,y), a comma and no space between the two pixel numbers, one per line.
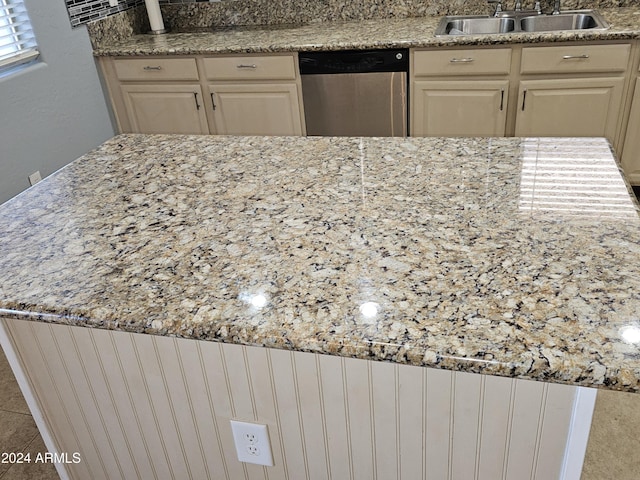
(141,406)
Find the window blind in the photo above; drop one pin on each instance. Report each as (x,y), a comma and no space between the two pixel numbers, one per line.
(17,41)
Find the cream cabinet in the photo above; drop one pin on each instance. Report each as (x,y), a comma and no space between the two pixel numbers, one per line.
(156,95)
(460,108)
(236,95)
(573,91)
(152,108)
(560,90)
(573,107)
(254,95)
(631,148)
(264,109)
(460,92)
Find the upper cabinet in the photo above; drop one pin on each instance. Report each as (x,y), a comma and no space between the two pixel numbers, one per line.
(234,95)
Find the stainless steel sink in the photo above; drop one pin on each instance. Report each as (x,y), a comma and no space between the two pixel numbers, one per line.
(563,21)
(518,22)
(479,26)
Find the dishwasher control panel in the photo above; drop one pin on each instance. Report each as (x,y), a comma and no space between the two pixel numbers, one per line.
(354,61)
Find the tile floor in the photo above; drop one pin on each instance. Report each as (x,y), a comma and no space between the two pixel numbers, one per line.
(18,432)
(612,452)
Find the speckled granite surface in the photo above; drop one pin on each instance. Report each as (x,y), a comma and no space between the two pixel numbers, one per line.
(337,35)
(502,256)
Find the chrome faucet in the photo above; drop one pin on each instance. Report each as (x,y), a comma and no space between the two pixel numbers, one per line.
(518,6)
(498,6)
(556,7)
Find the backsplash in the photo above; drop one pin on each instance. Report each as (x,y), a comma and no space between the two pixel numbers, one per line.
(84,11)
(186,14)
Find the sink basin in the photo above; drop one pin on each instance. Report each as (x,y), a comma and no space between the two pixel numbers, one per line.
(479,26)
(563,21)
(518,22)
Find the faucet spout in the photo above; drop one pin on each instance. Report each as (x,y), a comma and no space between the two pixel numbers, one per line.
(518,6)
(498,7)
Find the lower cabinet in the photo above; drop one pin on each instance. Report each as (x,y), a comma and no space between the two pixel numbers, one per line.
(631,147)
(221,94)
(256,109)
(460,92)
(460,108)
(571,107)
(165,108)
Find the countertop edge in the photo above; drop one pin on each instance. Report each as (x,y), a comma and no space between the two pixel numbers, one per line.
(347,349)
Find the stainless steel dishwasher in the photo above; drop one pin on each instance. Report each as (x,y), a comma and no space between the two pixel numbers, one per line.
(355,92)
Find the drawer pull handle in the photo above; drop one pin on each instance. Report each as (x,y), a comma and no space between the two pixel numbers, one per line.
(243,65)
(195,95)
(149,67)
(501,99)
(571,57)
(524,98)
(213,101)
(461,60)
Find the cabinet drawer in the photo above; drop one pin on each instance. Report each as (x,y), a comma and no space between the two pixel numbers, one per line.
(462,62)
(569,59)
(156,68)
(277,67)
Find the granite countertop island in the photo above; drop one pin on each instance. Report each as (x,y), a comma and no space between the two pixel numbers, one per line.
(505,256)
(337,35)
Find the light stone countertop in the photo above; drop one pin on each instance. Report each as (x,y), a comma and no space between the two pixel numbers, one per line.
(504,256)
(363,34)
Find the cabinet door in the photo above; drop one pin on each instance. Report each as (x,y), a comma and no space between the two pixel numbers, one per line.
(631,149)
(575,107)
(459,108)
(256,109)
(165,108)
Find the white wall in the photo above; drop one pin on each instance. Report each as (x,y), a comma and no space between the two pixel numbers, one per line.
(54,111)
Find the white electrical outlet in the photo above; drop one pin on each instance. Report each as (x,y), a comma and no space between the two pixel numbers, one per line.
(34,178)
(252,443)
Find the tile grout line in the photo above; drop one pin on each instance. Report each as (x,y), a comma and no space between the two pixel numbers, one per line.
(22,450)
(14,411)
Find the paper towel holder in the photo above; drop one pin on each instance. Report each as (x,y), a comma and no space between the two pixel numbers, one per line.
(155,17)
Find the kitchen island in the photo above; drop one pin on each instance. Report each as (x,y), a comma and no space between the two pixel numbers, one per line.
(507,257)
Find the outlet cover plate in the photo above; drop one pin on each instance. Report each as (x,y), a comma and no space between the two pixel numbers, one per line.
(35,177)
(252,442)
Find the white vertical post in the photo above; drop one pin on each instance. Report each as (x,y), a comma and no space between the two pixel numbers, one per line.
(579,429)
